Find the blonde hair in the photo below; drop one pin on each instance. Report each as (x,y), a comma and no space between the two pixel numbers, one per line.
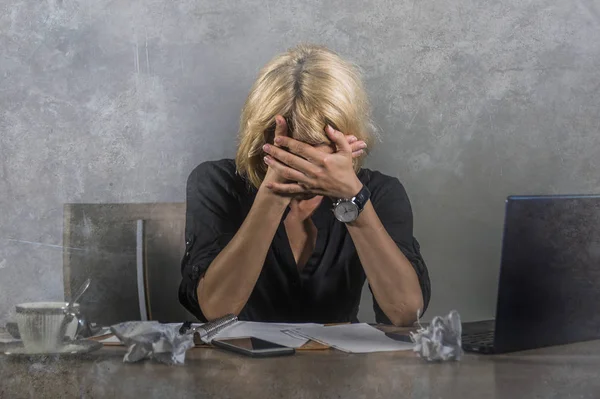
(310,86)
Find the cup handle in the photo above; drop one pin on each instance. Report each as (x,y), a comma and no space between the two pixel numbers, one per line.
(70,314)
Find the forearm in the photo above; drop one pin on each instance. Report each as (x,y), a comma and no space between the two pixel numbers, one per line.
(232,275)
(392,278)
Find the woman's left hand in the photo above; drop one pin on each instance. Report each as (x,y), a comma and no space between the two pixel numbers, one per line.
(309,170)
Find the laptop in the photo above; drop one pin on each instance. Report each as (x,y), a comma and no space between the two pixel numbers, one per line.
(549,287)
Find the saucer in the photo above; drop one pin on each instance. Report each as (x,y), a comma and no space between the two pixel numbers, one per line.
(70,348)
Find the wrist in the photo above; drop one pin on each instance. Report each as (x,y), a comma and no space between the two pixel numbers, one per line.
(276,201)
(353,188)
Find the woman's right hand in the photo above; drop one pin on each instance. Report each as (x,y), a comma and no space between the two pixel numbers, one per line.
(281,129)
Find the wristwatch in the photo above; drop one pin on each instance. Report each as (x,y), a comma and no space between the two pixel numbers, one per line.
(347,210)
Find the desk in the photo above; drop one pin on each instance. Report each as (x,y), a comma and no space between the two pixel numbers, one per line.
(571,371)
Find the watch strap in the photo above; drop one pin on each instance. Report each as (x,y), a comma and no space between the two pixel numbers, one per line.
(362,198)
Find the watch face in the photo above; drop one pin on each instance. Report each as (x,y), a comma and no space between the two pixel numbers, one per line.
(346,211)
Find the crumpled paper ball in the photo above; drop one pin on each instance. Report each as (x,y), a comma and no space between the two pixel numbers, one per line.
(153,340)
(441,340)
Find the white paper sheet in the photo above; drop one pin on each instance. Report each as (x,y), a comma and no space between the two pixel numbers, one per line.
(268,331)
(111,340)
(351,338)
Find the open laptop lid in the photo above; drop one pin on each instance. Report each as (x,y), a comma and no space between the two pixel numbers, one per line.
(549,289)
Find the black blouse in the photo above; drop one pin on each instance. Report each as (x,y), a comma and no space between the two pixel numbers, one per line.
(328,288)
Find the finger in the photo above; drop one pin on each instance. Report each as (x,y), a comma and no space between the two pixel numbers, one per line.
(339,139)
(301,149)
(286,172)
(359,145)
(291,160)
(280,126)
(358,154)
(351,139)
(287,188)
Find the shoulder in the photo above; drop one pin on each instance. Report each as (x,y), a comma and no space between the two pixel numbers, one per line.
(380,184)
(388,196)
(223,168)
(216,175)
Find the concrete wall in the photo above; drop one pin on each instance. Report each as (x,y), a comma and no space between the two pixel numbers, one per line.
(116,101)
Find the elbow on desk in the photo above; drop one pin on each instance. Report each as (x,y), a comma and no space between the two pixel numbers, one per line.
(406,313)
(212,307)
(212,312)
(403,320)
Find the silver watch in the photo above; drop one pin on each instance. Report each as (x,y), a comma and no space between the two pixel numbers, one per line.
(347,210)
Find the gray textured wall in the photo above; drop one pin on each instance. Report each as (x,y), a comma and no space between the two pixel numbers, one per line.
(116,101)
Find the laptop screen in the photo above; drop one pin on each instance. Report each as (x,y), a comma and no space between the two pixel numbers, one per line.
(549,289)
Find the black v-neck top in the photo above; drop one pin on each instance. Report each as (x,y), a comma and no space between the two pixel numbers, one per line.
(328,288)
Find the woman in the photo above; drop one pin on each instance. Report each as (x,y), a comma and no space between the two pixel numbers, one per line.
(262,241)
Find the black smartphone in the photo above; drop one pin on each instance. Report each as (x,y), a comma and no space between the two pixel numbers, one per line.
(399,337)
(254,347)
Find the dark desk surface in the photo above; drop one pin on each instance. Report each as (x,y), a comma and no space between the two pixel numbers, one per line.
(571,371)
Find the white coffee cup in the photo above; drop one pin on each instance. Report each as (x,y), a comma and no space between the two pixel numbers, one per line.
(44,325)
